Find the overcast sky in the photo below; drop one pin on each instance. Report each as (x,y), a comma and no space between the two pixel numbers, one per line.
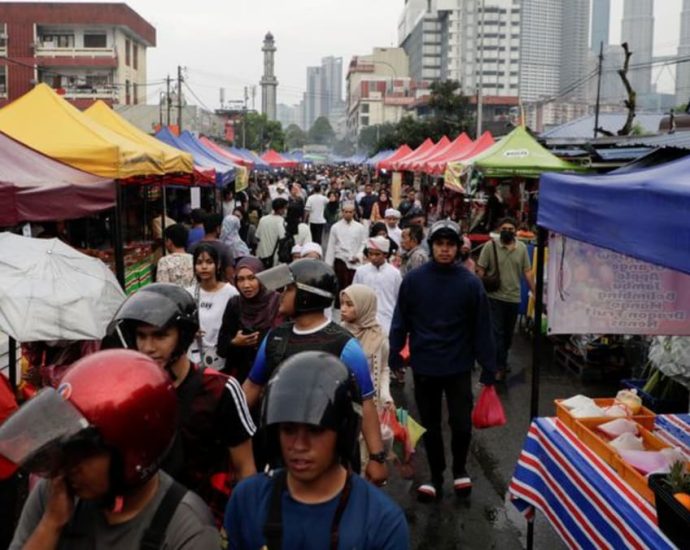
(219,41)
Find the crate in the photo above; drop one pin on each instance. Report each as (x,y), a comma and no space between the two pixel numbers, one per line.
(674,518)
(586,370)
(644,417)
(659,406)
(586,430)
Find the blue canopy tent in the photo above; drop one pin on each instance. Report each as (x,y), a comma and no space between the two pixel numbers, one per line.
(372,161)
(193,145)
(225,173)
(259,164)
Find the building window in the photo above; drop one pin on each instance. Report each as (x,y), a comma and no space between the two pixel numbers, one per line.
(127,96)
(127,44)
(3,81)
(364,121)
(95,81)
(95,40)
(365,107)
(58,41)
(135,95)
(135,56)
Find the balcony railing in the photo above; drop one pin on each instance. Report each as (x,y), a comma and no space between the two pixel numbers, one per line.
(89,92)
(50,49)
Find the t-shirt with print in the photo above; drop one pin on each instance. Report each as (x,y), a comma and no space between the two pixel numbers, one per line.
(176,268)
(512,265)
(190,527)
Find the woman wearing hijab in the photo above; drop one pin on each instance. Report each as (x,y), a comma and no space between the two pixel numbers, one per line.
(230,235)
(247,319)
(358,315)
(378,211)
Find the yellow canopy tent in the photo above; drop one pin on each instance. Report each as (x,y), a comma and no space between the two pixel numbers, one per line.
(174,160)
(48,123)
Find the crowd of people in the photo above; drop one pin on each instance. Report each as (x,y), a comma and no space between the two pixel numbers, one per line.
(248,393)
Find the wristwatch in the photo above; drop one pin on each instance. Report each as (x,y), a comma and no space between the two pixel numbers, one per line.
(378,457)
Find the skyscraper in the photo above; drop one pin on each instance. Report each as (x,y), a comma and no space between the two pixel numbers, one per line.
(601,19)
(683,69)
(540,49)
(332,74)
(637,29)
(313,105)
(574,47)
(269,83)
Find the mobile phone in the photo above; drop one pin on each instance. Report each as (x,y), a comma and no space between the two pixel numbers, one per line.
(248,331)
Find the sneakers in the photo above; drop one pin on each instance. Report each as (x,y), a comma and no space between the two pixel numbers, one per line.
(462,486)
(427,492)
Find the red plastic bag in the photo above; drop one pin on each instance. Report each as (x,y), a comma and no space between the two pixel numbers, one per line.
(488,412)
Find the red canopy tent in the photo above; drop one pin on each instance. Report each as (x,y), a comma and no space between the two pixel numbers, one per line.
(423,148)
(412,164)
(485,141)
(225,153)
(459,142)
(35,187)
(276,160)
(387,164)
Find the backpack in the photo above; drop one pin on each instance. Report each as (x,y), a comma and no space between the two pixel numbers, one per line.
(284,247)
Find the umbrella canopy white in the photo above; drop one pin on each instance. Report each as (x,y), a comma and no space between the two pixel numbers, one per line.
(50,291)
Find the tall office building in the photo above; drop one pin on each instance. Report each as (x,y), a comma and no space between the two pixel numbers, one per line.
(573,75)
(683,69)
(332,74)
(423,45)
(601,19)
(540,49)
(313,100)
(637,29)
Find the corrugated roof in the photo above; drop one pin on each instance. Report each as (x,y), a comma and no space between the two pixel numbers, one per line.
(583,127)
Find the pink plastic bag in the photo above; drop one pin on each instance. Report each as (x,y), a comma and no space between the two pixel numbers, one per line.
(488,412)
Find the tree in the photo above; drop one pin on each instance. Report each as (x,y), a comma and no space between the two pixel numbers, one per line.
(321,132)
(344,147)
(370,136)
(261,133)
(295,137)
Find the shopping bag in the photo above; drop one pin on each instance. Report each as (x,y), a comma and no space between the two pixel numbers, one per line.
(488,412)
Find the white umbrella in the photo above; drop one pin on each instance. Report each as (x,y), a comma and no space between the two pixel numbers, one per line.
(50,291)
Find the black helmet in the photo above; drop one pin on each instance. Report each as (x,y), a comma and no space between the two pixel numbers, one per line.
(161,305)
(315,388)
(315,280)
(445,229)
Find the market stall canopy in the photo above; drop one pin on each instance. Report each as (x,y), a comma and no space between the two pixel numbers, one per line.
(516,155)
(453,169)
(642,214)
(414,163)
(387,163)
(36,188)
(423,148)
(48,123)
(276,160)
(259,164)
(223,174)
(459,142)
(173,160)
(457,149)
(381,155)
(193,144)
(225,153)
(50,291)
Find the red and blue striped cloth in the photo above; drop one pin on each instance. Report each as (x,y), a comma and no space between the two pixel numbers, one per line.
(583,498)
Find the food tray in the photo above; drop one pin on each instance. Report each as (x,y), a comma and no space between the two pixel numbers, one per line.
(586,430)
(644,417)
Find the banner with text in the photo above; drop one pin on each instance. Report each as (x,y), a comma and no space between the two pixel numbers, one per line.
(592,290)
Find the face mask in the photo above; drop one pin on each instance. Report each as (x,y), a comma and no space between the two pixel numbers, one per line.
(507,236)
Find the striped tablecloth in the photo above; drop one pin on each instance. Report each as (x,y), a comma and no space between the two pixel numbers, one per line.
(584,499)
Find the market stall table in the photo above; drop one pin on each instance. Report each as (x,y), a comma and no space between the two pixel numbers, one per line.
(584,499)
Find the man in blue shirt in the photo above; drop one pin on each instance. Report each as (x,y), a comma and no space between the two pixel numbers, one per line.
(310,287)
(312,413)
(444,310)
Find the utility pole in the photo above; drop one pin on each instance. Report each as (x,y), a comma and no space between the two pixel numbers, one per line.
(599,70)
(167,98)
(160,109)
(244,118)
(179,99)
(480,83)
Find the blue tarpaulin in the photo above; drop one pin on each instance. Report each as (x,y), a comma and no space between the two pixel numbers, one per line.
(225,173)
(259,164)
(643,214)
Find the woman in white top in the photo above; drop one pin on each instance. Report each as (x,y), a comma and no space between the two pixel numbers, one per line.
(211,294)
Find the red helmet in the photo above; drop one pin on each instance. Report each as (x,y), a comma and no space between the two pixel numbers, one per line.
(121,395)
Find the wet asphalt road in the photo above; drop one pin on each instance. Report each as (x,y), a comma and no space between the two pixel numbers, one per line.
(487,519)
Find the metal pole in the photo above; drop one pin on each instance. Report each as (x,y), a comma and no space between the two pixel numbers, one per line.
(12,364)
(596,108)
(167,95)
(179,99)
(118,242)
(480,84)
(160,109)
(538,309)
(164,213)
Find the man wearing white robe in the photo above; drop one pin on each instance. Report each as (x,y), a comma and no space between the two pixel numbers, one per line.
(271,228)
(382,278)
(392,218)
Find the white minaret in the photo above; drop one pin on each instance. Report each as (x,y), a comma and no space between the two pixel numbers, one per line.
(269,84)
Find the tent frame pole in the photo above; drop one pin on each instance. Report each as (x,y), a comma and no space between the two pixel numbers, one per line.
(118,241)
(12,362)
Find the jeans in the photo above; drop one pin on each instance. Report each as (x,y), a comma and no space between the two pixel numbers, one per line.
(428,393)
(503,318)
(317,232)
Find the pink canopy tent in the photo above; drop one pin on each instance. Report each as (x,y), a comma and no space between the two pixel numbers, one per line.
(276,160)
(485,141)
(241,161)
(35,187)
(413,164)
(423,148)
(458,143)
(387,164)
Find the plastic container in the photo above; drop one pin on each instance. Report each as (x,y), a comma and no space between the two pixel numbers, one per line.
(644,417)
(674,518)
(659,406)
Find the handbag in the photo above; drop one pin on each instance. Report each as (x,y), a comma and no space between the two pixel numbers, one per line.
(493,282)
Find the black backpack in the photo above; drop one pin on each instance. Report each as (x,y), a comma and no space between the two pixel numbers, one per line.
(284,247)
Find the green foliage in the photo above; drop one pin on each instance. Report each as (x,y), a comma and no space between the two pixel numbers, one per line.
(321,132)
(261,133)
(344,147)
(370,136)
(295,137)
